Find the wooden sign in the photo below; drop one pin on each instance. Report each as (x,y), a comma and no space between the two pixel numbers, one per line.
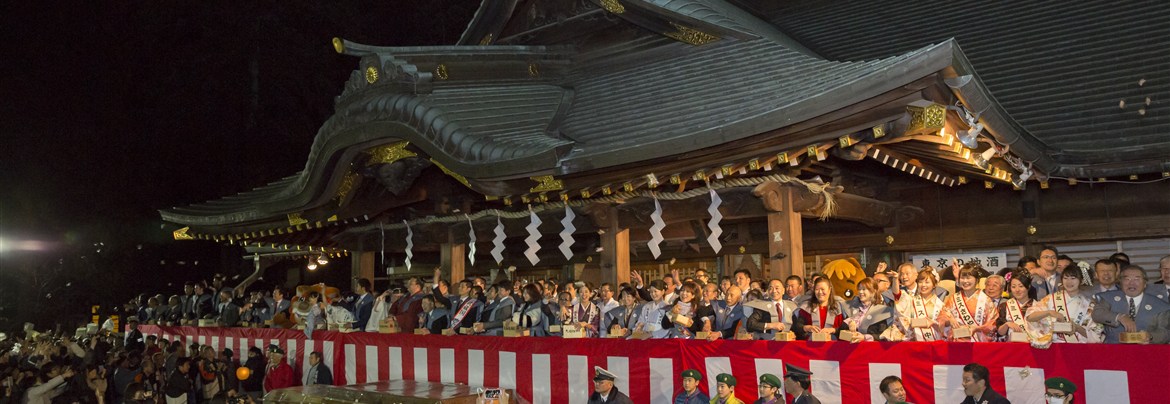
(785,336)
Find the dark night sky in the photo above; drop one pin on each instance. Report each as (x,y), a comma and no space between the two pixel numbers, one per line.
(112,110)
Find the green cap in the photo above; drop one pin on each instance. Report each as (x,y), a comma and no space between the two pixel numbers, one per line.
(693,374)
(1061,384)
(771,380)
(726,379)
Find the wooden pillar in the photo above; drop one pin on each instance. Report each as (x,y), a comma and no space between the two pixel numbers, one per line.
(785,238)
(454,256)
(615,254)
(363,265)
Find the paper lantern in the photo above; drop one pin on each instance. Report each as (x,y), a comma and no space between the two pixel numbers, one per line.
(243,373)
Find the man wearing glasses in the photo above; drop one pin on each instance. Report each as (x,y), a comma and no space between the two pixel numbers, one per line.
(1047,280)
(770,386)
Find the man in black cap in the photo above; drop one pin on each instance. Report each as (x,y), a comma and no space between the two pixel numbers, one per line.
(691,393)
(975,386)
(796,382)
(770,386)
(1058,390)
(604,391)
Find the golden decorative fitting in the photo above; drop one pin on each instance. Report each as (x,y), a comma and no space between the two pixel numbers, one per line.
(543,197)
(331,218)
(564,197)
(928,119)
(295,219)
(525,199)
(754,164)
(586,194)
(1072,181)
(389,153)
(1166,174)
(348,183)
(455,175)
(613,6)
(675,179)
(280,231)
(988,184)
(628,186)
(371,74)
(725,170)
(1031,229)
(690,35)
(782,158)
(1043,184)
(699,176)
(962,180)
(742,249)
(589,259)
(338,45)
(181,234)
(1101,179)
(546,183)
(1133,177)
(533,70)
(507,201)
(879,131)
(441,72)
(845,141)
(487,40)
(890,240)
(652,180)
(606,190)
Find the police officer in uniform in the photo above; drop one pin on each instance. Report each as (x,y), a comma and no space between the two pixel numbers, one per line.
(604,392)
(796,382)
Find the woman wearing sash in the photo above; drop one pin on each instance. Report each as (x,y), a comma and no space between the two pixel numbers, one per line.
(687,306)
(1011,321)
(1067,306)
(585,313)
(650,317)
(821,313)
(919,313)
(868,317)
(625,317)
(969,313)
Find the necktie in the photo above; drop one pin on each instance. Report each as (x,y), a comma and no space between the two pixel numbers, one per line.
(1132,309)
(779,312)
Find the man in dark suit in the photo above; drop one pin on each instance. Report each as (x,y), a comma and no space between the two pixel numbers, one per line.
(229,312)
(317,373)
(1161,288)
(729,315)
(1130,309)
(771,316)
(975,386)
(277,304)
(500,310)
(364,303)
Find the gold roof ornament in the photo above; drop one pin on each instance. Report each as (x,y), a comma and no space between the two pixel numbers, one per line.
(371,74)
(690,35)
(613,6)
(455,175)
(441,72)
(181,234)
(295,219)
(338,45)
(546,183)
(389,153)
(926,118)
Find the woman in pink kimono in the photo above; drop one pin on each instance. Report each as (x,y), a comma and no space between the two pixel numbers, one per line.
(969,314)
(919,314)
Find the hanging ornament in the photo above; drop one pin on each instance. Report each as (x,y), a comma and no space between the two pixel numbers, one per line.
(656,230)
(533,238)
(382,244)
(567,233)
(409,244)
(713,224)
(470,241)
(498,250)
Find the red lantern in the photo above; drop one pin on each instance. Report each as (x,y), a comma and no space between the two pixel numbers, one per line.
(243,373)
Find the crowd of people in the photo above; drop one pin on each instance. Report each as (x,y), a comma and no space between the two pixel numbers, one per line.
(1043,300)
(107,367)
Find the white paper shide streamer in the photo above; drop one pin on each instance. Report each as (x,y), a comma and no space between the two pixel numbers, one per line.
(498,242)
(533,239)
(409,244)
(470,241)
(567,233)
(656,230)
(713,224)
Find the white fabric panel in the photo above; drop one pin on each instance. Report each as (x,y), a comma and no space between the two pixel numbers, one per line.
(420,365)
(826,381)
(1106,386)
(877,372)
(715,366)
(327,355)
(311,346)
(661,380)
(371,363)
(290,353)
(447,365)
(579,379)
(395,363)
(1024,385)
(620,366)
(215,344)
(475,368)
(351,364)
(772,366)
(541,379)
(948,384)
(507,370)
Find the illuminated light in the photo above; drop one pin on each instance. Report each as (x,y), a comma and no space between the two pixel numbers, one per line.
(312,266)
(323,260)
